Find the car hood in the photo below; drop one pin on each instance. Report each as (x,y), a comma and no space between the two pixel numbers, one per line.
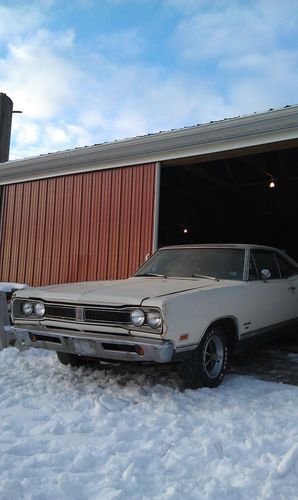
(132,291)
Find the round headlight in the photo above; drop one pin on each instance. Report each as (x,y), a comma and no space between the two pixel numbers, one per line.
(154,319)
(137,317)
(39,309)
(27,308)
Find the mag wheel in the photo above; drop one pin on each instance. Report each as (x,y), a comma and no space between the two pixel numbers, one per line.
(208,363)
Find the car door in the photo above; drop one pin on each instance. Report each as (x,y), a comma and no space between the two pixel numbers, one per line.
(289,272)
(272,299)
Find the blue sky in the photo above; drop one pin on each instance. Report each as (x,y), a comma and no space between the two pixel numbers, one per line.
(90,71)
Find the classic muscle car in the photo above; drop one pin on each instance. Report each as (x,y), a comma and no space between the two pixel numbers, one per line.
(192,304)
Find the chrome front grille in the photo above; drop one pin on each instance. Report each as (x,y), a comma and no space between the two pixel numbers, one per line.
(87,314)
(60,311)
(106,316)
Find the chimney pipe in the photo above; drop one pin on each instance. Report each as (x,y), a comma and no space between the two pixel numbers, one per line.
(6,106)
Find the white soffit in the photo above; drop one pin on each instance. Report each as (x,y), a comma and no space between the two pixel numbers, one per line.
(226,135)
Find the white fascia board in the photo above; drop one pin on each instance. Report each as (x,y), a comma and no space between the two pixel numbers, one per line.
(230,134)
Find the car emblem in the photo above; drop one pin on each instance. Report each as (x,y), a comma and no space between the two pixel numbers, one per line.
(79,313)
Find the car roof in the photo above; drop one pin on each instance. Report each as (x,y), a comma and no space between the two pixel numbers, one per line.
(241,246)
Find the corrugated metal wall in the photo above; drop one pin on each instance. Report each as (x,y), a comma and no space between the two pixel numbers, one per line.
(96,225)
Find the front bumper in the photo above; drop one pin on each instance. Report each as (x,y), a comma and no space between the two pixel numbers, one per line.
(104,347)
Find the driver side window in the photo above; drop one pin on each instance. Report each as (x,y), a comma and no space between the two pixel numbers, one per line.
(265,260)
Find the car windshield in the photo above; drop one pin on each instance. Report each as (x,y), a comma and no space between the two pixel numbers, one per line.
(213,263)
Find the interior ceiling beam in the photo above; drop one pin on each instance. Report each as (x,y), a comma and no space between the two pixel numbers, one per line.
(203,198)
(183,178)
(252,162)
(220,184)
(281,161)
(240,187)
(204,174)
(229,172)
(195,196)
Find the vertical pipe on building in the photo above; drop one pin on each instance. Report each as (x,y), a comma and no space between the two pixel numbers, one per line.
(156,208)
(1,215)
(6,106)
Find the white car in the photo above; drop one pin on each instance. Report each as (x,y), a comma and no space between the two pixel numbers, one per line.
(192,304)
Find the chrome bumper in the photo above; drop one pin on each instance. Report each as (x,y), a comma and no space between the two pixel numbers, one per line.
(101,346)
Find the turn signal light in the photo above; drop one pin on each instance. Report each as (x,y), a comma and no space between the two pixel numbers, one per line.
(140,350)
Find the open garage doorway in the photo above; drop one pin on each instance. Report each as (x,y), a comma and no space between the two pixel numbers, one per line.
(227,198)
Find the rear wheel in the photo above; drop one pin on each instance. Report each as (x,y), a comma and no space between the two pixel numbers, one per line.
(70,359)
(208,363)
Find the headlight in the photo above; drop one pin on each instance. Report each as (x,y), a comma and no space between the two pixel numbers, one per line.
(27,308)
(137,317)
(154,319)
(39,309)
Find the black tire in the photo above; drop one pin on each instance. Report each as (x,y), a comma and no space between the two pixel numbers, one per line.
(70,359)
(208,362)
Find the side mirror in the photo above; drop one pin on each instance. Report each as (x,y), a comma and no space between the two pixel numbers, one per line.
(265,274)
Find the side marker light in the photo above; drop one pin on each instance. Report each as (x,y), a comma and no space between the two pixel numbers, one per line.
(183,337)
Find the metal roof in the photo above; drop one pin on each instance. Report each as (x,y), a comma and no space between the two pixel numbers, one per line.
(269,127)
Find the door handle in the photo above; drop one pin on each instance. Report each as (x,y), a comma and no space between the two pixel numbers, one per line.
(292,288)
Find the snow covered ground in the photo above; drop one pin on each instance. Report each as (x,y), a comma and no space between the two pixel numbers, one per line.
(86,433)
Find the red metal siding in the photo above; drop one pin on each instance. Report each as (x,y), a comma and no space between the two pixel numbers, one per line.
(66,230)
(17,225)
(91,226)
(125,221)
(95,230)
(8,216)
(40,232)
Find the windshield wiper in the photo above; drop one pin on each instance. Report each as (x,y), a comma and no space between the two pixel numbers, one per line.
(206,277)
(153,275)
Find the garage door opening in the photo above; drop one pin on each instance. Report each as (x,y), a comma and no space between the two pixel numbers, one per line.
(229,200)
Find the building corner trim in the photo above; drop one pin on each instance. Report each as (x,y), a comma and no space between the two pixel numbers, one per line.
(156,207)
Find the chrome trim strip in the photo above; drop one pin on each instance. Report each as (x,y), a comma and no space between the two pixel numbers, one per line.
(269,329)
(189,347)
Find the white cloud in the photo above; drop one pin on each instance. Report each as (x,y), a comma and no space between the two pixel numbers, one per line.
(32,138)
(248,48)
(16,21)
(269,82)
(38,76)
(71,97)
(28,133)
(230,28)
(123,102)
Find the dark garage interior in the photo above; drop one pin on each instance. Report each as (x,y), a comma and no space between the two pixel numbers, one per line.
(228,198)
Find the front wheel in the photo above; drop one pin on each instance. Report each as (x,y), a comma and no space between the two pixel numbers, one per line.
(208,362)
(70,359)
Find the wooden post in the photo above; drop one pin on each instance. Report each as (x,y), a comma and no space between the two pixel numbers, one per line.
(6,106)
